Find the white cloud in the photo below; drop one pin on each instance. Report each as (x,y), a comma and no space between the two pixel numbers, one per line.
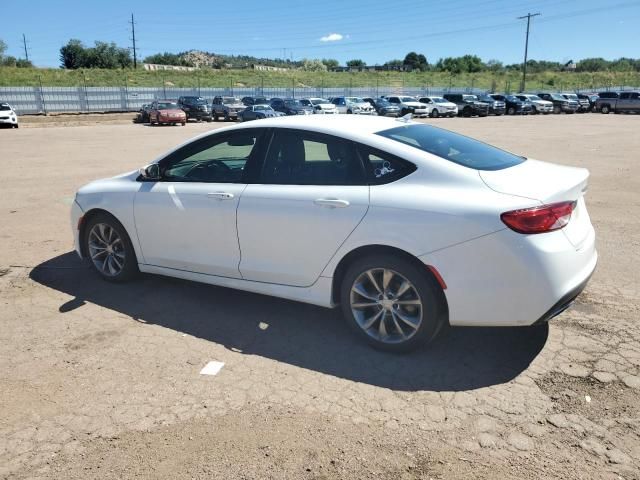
(332,37)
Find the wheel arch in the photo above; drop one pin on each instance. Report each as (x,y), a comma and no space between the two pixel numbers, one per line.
(86,218)
(377,249)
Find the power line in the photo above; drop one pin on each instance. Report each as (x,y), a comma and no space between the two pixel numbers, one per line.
(133,35)
(526,50)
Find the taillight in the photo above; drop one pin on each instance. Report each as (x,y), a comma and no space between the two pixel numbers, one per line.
(545,218)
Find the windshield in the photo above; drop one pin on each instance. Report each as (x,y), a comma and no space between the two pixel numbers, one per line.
(555,96)
(486,98)
(451,146)
(231,100)
(513,98)
(439,100)
(4,107)
(469,98)
(535,98)
(407,99)
(261,108)
(292,103)
(167,105)
(571,96)
(319,101)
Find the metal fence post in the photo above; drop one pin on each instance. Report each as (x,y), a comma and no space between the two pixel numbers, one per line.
(44,103)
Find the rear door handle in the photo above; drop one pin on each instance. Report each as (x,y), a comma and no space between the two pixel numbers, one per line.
(220,195)
(331,202)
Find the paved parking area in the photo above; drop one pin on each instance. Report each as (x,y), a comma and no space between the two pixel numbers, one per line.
(102,381)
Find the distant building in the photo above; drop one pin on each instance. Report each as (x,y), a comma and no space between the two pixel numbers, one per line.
(570,66)
(269,68)
(156,66)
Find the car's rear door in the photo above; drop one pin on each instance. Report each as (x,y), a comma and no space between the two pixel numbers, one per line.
(312,193)
(187,219)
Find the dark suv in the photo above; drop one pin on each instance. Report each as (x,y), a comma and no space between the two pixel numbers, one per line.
(195,107)
(290,106)
(249,101)
(468,105)
(514,105)
(496,107)
(560,104)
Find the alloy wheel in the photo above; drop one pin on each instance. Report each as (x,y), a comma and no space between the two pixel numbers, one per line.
(386,305)
(106,249)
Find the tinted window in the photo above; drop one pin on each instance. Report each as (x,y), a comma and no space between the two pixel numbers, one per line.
(382,167)
(453,147)
(624,95)
(303,158)
(216,159)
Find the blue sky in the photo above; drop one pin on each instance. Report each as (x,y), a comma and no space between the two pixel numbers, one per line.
(373,30)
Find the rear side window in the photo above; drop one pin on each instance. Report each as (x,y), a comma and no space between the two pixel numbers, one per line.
(453,147)
(297,157)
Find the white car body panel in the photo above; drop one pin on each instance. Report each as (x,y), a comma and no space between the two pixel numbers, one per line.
(444,214)
(443,108)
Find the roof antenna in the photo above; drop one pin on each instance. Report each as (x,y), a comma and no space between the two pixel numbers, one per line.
(405,118)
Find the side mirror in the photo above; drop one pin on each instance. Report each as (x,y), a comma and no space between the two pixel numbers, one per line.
(150,172)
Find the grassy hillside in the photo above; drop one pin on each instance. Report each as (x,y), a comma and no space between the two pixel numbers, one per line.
(10,76)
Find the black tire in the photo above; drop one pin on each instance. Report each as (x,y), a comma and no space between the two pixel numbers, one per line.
(605,109)
(557,110)
(16,126)
(215,117)
(130,267)
(511,111)
(349,112)
(226,117)
(466,112)
(434,113)
(534,111)
(433,306)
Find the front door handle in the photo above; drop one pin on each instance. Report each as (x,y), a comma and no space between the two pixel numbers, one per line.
(220,195)
(331,202)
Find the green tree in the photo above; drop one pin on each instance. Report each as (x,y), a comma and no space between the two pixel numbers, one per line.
(356,63)
(416,61)
(330,63)
(72,54)
(314,65)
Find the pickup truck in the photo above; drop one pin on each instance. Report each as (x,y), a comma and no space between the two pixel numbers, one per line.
(468,105)
(226,107)
(626,102)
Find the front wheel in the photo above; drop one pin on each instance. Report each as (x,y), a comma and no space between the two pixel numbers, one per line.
(511,111)
(557,110)
(434,113)
(109,249)
(605,109)
(391,303)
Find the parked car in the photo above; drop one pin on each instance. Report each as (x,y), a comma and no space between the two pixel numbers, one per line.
(8,116)
(496,107)
(195,107)
(514,105)
(468,105)
(320,106)
(351,212)
(583,104)
(165,112)
(353,105)
(590,97)
(627,102)
(256,112)
(538,105)
(255,101)
(383,107)
(226,107)
(410,105)
(290,106)
(440,106)
(560,104)
(143,113)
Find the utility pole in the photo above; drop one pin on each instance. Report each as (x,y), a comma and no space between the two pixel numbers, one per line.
(526,50)
(133,37)
(24,42)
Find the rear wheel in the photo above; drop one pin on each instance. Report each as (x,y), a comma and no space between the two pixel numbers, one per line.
(434,113)
(466,112)
(511,111)
(109,248)
(391,303)
(557,110)
(605,109)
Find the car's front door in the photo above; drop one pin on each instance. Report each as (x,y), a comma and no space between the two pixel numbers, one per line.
(187,219)
(312,194)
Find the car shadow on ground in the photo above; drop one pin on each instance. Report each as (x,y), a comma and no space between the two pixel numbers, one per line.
(303,335)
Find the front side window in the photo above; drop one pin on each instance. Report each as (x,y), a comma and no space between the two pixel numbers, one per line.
(453,147)
(216,159)
(297,157)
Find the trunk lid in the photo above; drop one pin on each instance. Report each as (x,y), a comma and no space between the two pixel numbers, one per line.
(547,183)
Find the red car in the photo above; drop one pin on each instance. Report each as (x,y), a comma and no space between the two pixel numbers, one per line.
(165,111)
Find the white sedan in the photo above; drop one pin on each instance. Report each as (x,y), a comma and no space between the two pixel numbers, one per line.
(320,106)
(406,226)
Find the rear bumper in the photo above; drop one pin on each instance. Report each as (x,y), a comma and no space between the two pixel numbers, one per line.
(564,303)
(516,280)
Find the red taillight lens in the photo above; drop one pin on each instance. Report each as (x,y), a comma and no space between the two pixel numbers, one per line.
(545,218)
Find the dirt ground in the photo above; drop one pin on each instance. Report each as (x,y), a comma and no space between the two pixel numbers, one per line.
(102,381)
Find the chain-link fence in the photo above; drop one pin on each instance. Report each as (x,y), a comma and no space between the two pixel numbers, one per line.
(44,100)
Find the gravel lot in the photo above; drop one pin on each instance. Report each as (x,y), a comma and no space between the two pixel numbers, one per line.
(102,381)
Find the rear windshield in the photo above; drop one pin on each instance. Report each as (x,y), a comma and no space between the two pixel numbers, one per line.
(453,147)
